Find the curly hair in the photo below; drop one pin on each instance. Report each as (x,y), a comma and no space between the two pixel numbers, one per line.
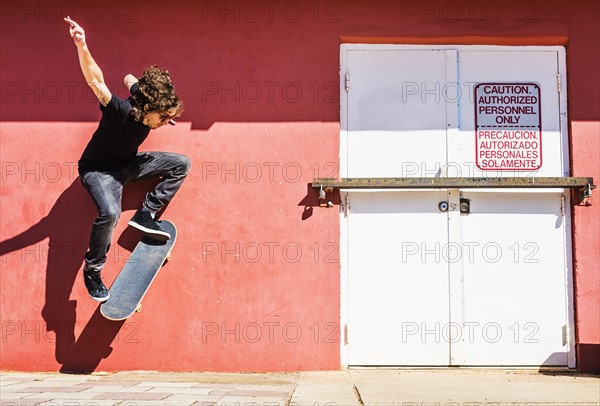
(155,92)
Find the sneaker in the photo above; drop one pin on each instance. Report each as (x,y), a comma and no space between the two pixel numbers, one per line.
(95,286)
(143,221)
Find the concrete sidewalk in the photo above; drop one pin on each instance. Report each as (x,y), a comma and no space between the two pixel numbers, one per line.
(441,387)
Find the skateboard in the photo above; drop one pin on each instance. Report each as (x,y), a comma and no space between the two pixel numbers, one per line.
(136,276)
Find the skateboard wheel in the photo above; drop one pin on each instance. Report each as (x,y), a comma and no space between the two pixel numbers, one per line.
(138,308)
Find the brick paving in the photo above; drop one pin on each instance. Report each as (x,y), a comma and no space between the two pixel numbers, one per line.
(22,389)
(403,387)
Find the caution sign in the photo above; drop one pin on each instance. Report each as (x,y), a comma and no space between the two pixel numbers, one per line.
(508,126)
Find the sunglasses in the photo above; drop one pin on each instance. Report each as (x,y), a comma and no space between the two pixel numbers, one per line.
(164,118)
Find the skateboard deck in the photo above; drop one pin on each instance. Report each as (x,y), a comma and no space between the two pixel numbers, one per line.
(136,276)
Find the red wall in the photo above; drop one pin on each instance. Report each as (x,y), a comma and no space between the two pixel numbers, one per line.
(254,279)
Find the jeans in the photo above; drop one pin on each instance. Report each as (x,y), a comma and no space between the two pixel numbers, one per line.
(106,189)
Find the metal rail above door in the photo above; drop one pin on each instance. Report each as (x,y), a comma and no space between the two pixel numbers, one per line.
(327,185)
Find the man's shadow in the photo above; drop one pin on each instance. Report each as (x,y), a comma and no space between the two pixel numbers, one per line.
(68,227)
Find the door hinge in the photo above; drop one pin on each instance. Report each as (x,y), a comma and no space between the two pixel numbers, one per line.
(347,82)
(558,83)
(345,334)
(347,205)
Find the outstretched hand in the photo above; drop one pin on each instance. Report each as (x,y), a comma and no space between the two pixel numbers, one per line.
(76,32)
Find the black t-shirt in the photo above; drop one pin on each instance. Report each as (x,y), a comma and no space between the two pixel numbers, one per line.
(116,140)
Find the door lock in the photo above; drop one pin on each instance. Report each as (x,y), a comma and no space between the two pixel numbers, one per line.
(443,206)
(465,206)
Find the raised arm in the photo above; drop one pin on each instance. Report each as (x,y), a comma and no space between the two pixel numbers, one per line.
(91,71)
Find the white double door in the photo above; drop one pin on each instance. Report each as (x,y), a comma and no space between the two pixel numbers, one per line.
(425,286)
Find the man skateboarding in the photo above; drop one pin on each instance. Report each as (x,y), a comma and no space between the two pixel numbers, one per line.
(111,158)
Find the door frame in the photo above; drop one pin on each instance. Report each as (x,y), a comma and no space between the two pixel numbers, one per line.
(564,127)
